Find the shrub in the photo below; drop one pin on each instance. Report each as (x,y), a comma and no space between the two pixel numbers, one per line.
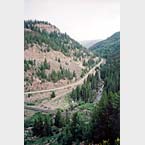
(53,95)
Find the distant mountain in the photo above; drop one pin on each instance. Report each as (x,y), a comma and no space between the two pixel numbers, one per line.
(89,43)
(107,46)
(110,72)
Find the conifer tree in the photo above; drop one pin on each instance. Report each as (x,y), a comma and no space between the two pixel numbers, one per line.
(53,95)
(59,122)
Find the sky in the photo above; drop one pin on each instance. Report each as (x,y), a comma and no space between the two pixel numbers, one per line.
(81,19)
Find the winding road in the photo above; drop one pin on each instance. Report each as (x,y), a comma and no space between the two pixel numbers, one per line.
(67,89)
(72,85)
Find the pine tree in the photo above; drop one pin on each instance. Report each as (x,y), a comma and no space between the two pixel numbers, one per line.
(47,126)
(74,74)
(38,127)
(46,65)
(59,122)
(53,95)
(67,137)
(106,119)
(76,128)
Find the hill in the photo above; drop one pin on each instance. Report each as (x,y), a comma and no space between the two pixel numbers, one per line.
(52,58)
(41,32)
(110,50)
(85,121)
(110,73)
(89,43)
(107,46)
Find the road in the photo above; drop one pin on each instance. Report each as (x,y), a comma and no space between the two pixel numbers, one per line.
(72,85)
(67,89)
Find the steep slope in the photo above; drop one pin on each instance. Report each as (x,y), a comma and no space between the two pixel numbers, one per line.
(40,32)
(110,49)
(107,46)
(52,58)
(110,101)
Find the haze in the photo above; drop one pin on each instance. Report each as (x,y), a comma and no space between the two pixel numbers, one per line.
(81,19)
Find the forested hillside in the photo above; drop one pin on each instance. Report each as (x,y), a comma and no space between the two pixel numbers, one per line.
(52,58)
(108,46)
(109,116)
(87,122)
(40,32)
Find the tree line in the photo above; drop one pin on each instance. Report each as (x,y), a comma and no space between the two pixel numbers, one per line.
(63,128)
(86,92)
(54,40)
(53,76)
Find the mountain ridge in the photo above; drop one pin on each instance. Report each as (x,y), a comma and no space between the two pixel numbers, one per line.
(89,43)
(110,44)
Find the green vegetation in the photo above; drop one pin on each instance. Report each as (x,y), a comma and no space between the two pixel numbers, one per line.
(58,120)
(58,59)
(30,103)
(55,76)
(41,71)
(66,129)
(30,24)
(56,129)
(101,124)
(62,74)
(86,92)
(50,41)
(87,106)
(84,71)
(107,46)
(28,64)
(56,41)
(106,118)
(53,95)
(90,63)
(44,65)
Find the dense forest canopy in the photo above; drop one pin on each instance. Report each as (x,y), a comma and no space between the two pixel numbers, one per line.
(108,113)
(107,47)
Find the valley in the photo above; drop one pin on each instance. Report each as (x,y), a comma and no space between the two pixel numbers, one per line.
(47,104)
(71,93)
(59,71)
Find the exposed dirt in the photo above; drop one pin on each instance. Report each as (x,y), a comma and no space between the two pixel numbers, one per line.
(47,27)
(44,101)
(52,57)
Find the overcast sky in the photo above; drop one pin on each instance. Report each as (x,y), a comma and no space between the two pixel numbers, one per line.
(81,19)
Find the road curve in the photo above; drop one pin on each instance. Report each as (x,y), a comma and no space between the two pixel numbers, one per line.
(79,82)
